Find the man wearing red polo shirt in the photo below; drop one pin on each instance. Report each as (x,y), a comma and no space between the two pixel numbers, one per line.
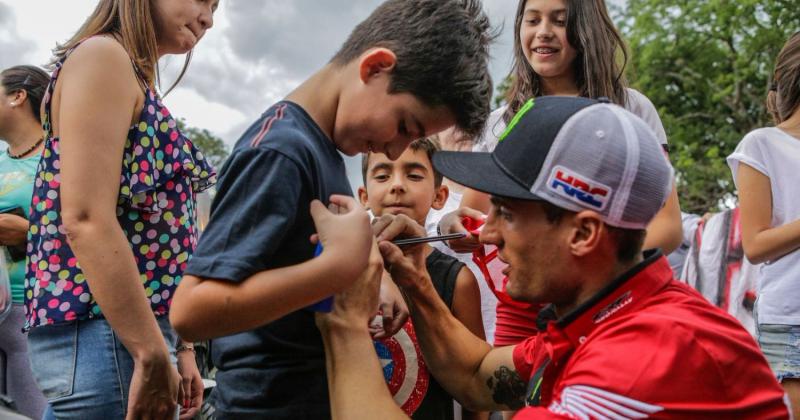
(574,183)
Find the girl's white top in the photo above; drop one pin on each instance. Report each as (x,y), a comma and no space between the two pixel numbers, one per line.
(776,154)
(637,103)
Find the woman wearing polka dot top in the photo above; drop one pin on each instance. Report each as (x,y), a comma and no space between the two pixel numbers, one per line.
(112,219)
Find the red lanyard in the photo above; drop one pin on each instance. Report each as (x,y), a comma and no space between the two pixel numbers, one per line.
(485,258)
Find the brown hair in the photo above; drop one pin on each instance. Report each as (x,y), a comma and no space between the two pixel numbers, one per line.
(442,49)
(783,98)
(429,145)
(599,47)
(131,21)
(31,79)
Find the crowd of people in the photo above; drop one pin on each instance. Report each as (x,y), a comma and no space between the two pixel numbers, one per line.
(553,298)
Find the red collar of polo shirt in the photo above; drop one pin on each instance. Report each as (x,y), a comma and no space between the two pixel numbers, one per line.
(624,294)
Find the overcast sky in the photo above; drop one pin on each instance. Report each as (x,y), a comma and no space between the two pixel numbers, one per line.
(256,53)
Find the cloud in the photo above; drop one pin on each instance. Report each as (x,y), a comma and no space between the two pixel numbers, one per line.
(298,36)
(265,49)
(6,15)
(229,79)
(13,46)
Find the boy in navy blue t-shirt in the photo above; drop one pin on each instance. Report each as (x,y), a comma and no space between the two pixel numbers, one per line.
(411,69)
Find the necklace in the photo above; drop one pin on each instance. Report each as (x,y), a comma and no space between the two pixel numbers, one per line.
(32,148)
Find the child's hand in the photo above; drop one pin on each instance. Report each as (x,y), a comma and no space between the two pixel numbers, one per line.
(451,223)
(191,384)
(405,264)
(345,233)
(356,305)
(393,311)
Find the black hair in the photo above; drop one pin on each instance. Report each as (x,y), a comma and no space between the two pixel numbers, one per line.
(442,50)
(31,79)
(429,145)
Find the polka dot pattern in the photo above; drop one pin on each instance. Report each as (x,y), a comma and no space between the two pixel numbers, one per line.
(161,172)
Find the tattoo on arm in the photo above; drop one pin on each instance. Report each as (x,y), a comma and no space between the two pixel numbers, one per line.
(507,388)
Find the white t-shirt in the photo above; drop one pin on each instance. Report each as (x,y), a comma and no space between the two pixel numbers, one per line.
(637,103)
(488,300)
(776,154)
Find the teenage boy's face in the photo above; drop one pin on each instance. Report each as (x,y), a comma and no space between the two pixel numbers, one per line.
(403,186)
(369,118)
(543,37)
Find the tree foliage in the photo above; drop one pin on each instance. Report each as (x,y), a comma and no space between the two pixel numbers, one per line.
(707,66)
(213,148)
(502,90)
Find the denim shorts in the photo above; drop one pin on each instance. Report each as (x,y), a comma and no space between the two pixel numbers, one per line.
(781,346)
(84,370)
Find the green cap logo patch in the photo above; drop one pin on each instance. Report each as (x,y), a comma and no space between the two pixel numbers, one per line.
(522,111)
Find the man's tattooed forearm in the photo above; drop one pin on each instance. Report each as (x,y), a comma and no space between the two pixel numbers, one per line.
(507,388)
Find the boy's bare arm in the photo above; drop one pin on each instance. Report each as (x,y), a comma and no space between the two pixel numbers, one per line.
(665,231)
(356,385)
(479,377)
(467,303)
(467,367)
(467,309)
(208,308)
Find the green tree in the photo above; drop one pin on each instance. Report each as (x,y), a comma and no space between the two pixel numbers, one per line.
(706,65)
(502,90)
(213,148)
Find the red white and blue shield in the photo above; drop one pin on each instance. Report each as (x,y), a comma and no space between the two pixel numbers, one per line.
(403,368)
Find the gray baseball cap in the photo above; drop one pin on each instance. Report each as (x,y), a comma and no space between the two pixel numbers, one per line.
(575,153)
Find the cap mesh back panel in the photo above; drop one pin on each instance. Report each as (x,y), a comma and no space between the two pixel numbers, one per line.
(598,160)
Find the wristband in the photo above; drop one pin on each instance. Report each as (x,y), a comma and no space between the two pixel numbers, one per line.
(185,347)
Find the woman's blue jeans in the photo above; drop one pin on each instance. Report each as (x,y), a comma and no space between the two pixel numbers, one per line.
(84,370)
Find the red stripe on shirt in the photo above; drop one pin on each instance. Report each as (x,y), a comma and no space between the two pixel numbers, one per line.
(267,125)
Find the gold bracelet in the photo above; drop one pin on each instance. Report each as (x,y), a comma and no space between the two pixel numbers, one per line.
(185,347)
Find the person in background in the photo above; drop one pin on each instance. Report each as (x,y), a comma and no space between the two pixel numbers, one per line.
(113,219)
(716,267)
(677,258)
(21,92)
(764,167)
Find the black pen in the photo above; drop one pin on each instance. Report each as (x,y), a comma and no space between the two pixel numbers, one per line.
(424,239)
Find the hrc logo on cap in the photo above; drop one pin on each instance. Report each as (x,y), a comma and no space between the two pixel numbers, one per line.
(578,188)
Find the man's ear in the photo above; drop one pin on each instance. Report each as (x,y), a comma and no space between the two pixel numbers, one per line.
(375,62)
(363,197)
(440,197)
(587,235)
